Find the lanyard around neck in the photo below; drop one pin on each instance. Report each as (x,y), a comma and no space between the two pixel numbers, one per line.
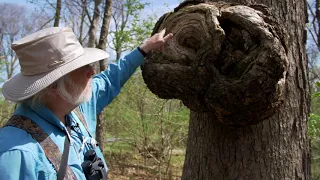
(65,155)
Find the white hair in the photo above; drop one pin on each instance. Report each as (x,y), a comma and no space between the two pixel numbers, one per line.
(77,96)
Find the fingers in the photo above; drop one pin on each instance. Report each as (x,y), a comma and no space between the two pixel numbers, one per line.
(157,41)
(168,37)
(163,32)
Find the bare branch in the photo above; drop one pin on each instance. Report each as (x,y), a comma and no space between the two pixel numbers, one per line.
(314,38)
(45,23)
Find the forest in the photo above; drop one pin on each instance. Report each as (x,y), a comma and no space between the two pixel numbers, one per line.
(147,134)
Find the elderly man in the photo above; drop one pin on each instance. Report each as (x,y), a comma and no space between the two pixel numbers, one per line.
(51,134)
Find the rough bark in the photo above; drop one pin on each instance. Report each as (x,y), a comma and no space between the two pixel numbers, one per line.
(235,56)
(242,70)
(57,15)
(100,128)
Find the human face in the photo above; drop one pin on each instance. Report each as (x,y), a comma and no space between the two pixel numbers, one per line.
(82,76)
(77,85)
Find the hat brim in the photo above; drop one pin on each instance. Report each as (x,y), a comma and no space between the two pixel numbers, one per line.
(21,87)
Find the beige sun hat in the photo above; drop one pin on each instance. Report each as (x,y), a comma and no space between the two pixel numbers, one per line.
(44,57)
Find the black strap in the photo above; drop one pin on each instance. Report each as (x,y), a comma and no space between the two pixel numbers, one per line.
(142,51)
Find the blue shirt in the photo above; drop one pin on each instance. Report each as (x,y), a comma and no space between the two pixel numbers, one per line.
(21,157)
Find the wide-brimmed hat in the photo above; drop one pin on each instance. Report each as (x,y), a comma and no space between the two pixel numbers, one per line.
(44,57)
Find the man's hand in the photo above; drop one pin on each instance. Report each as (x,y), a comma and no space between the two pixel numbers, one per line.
(156,42)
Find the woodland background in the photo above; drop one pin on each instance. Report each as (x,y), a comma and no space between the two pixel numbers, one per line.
(144,136)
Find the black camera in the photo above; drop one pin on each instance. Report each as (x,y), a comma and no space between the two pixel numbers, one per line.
(93,167)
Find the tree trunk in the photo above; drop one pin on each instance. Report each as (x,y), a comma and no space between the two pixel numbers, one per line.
(265,151)
(1,45)
(57,15)
(276,148)
(317,19)
(100,129)
(118,54)
(245,81)
(104,31)
(82,18)
(93,30)
(94,24)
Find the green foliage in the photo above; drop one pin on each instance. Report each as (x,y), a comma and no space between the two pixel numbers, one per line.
(151,126)
(131,28)
(6,110)
(315,162)
(314,134)
(314,131)
(314,126)
(2,66)
(142,29)
(137,112)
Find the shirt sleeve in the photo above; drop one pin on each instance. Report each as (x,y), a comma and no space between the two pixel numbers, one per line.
(20,165)
(106,85)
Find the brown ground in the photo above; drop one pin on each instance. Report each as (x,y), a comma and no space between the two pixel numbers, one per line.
(135,167)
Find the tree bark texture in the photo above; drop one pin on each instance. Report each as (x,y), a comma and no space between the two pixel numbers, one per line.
(234,48)
(101,118)
(241,67)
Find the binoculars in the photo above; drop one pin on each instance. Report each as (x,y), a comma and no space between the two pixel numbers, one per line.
(93,167)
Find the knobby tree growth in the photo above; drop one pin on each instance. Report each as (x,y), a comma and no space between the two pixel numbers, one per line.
(241,68)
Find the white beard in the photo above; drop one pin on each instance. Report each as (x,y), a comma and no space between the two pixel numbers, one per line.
(78,94)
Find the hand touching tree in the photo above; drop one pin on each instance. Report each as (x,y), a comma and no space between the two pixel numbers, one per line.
(156,42)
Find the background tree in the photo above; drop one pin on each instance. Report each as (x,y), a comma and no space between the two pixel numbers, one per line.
(100,127)
(49,8)
(10,31)
(313,40)
(15,22)
(77,17)
(314,74)
(57,15)
(94,24)
(243,73)
(314,25)
(128,27)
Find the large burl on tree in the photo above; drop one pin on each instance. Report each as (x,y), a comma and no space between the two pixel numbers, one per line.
(228,63)
(224,59)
